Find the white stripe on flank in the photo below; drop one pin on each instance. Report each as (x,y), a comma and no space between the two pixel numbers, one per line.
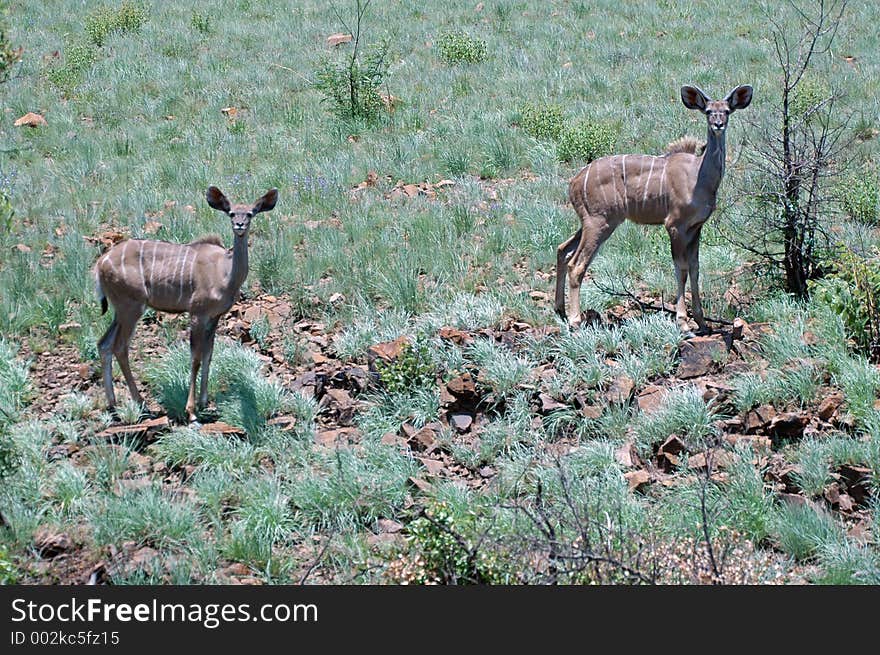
(122,260)
(648,183)
(141,268)
(625,200)
(180,282)
(192,270)
(109,260)
(153,264)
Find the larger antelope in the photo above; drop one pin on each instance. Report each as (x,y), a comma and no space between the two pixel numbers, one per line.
(677,189)
(202,278)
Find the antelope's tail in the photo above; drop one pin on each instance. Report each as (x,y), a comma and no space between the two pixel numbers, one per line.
(100,292)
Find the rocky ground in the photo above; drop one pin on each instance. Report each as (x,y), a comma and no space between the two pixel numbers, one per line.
(709,362)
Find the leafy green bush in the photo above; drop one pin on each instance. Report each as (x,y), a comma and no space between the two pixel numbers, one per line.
(8,573)
(83,51)
(442,553)
(79,57)
(352,87)
(9,457)
(8,54)
(7,211)
(128,17)
(586,140)
(200,22)
(413,368)
(15,388)
(852,292)
(460,47)
(542,121)
(809,94)
(860,197)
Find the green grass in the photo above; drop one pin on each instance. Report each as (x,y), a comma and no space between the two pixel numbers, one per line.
(147,516)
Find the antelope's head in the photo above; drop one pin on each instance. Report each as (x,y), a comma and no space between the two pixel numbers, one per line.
(241,215)
(717,111)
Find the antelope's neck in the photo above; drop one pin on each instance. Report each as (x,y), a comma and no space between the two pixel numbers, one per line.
(239,270)
(712,162)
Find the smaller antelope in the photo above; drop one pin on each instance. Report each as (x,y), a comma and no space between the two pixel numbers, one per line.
(677,189)
(202,278)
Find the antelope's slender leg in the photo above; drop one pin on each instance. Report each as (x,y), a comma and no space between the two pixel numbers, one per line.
(128,317)
(563,254)
(693,255)
(595,231)
(678,242)
(207,353)
(196,346)
(105,347)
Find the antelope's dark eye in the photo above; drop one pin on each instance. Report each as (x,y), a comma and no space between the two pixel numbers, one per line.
(231,214)
(250,214)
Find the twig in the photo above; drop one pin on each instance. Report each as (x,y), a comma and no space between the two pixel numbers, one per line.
(317,560)
(291,70)
(644,305)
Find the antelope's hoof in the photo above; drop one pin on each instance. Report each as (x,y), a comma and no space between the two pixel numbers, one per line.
(592,317)
(703,331)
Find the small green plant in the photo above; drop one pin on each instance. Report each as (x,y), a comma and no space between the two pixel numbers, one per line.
(295,351)
(77,406)
(128,17)
(129,411)
(7,211)
(8,572)
(442,552)
(586,140)
(148,516)
(9,457)
(8,54)
(852,292)
(15,388)
(84,50)
(260,331)
(809,95)
(860,196)
(200,22)
(352,85)
(414,367)
(682,412)
(243,396)
(802,530)
(542,121)
(79,57)
(461,48)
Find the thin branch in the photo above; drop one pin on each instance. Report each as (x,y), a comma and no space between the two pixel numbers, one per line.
(643,305)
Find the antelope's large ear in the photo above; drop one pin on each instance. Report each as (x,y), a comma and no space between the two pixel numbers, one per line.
(693,98)
(740,97)
(267,202)
(216,200)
